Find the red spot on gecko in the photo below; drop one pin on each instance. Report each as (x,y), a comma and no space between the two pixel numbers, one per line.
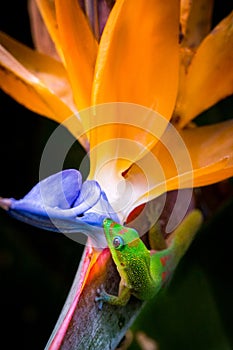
(164,275)
(122,231)
(114,225)
(164,259)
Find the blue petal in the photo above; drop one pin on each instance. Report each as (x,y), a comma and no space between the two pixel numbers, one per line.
(89,195)
(59,190)
(103,209)
(59,196)
(62,203)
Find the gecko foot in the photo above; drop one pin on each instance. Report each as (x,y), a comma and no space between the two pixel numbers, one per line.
(101,297)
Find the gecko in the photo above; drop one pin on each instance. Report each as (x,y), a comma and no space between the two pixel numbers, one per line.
(144,272)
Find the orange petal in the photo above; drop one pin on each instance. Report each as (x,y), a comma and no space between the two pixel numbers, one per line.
(210,74)
(49,71)
(209,144)
(202,156)
(195,19)
(216,176)
(41,37)
(79,48)
(138,55)
(120,134)
(47,11)
(27,88)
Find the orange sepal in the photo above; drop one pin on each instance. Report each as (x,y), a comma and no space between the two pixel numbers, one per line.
(202,156)
(138,55)
(48,13)
(39,83)
(210,75)
(195,20)
(79,48)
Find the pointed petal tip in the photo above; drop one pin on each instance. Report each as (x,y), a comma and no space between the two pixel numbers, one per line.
(5,203)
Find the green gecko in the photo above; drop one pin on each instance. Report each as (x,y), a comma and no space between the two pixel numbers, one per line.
(144,272)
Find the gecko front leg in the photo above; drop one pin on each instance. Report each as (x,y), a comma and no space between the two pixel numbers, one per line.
(120,300)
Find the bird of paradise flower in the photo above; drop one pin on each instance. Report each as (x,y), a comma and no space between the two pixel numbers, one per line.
(149,68)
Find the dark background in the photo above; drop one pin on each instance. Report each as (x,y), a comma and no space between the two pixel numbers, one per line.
(37,267)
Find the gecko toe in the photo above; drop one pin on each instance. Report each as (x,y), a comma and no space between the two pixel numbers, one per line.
(101,297)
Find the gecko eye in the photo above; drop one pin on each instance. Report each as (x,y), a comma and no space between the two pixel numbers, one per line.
(118,242)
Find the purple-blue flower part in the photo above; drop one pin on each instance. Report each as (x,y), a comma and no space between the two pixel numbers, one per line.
(63,203)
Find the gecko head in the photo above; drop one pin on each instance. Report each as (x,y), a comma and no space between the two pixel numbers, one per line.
(120,237)
(127,249)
